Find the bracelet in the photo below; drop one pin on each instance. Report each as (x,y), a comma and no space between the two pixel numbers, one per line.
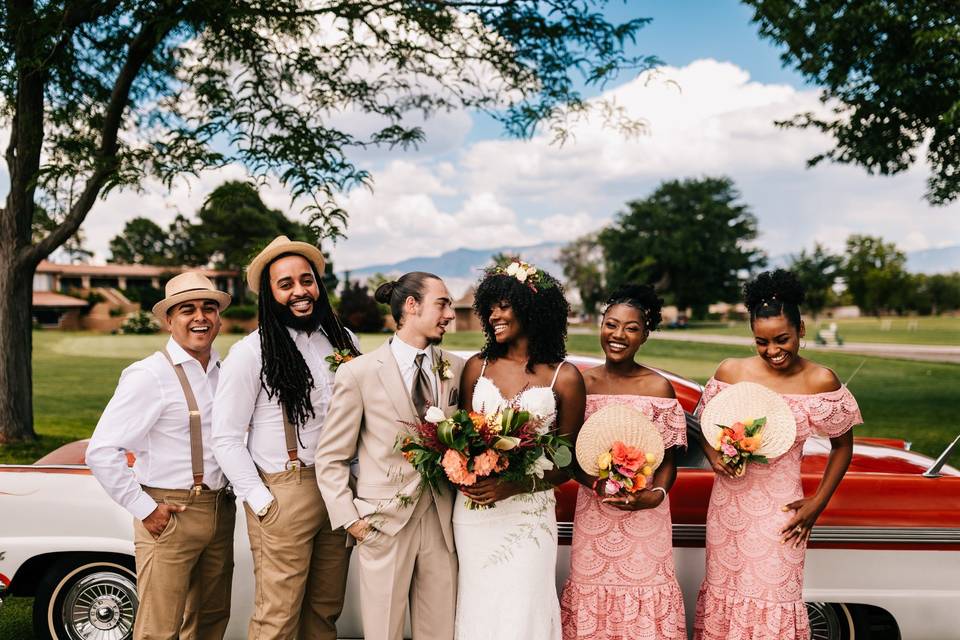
(662,490)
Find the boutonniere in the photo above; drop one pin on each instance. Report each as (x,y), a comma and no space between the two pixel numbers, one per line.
(443,368)
(338,357)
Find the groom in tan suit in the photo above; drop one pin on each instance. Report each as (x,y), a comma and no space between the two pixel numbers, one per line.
(402,528)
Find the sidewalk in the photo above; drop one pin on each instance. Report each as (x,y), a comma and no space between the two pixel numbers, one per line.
(932,353)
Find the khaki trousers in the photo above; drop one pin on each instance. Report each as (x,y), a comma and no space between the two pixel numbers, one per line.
(184,576)
(411,568)
(299,562)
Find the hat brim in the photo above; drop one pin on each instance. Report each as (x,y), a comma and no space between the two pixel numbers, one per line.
(745,400)
(222,299)
(268,255)
(613,423)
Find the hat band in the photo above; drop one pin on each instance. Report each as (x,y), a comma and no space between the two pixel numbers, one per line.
(194,289)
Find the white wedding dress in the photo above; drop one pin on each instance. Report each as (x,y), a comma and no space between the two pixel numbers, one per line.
(508,554)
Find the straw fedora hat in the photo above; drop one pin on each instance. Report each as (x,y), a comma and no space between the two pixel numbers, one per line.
(279,246)
(190,285)
(749,400)
(617,422)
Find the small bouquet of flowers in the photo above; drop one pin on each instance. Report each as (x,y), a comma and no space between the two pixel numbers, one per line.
(740,443)
(624,469)
(338,357)
(753,439)
(469,445)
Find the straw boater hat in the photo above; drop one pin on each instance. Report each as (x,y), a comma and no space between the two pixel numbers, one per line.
(749,400)
(280,246)
(191,285)
(616,422)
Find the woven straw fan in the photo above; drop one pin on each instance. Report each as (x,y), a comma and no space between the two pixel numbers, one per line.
(749,400)
(617,423)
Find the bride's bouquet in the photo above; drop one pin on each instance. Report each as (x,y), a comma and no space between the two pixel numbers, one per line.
(510,444)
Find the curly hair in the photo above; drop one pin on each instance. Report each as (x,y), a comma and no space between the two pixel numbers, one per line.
(774,293)
(641,297)
(542,314)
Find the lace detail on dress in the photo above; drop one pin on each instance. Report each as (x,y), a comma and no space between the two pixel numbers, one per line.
(754,585)
(622,583)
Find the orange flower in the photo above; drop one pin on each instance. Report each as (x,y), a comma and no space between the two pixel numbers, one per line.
(750,444)
(455,465)
(486,463)
(738,430)
(627,457)
(478,419)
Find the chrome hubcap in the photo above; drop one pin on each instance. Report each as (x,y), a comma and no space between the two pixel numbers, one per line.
(100,606)
(824,623)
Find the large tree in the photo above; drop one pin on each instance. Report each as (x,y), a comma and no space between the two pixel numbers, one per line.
(689,238)
(103,94)
(875,273)
(890,75)
(142,241)
(817,271)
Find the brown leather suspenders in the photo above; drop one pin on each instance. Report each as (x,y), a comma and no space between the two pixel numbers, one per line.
(196,438)
(290,438)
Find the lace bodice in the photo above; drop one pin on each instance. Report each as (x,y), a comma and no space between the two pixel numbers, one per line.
(539,401)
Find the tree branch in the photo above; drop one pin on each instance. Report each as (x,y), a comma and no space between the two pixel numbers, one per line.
(151,34)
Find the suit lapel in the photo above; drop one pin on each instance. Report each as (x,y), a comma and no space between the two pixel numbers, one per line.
(392,381)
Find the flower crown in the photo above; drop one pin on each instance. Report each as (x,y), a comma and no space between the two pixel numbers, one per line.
(524,272)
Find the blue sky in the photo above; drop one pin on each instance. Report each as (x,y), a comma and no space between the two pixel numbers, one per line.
(710,111)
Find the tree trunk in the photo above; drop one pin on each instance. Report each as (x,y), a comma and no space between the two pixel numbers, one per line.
(16,344)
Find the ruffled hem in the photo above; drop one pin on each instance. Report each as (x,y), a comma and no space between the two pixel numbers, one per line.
(604,612)
(724,614)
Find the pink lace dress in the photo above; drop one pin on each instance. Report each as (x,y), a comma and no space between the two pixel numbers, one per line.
(753,587)
(622,584)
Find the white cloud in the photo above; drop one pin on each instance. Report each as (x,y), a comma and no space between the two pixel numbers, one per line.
(707,118)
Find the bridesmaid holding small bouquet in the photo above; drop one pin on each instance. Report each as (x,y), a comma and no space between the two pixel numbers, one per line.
(622,582)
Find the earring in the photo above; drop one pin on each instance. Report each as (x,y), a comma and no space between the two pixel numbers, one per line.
(803,343)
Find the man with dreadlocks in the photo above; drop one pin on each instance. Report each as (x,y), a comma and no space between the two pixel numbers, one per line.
(403,528)
(275,389)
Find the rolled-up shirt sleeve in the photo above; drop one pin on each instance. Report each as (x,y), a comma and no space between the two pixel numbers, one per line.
(233,407)
(125,426)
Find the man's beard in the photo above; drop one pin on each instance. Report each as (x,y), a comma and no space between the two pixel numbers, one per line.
(434,341)
(308,323)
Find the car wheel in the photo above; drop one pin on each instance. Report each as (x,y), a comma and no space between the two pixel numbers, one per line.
(829,621)
(86,601)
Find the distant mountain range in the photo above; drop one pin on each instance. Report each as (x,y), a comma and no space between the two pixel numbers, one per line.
(461,267)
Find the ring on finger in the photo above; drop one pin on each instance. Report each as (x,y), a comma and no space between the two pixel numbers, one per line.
(799,529)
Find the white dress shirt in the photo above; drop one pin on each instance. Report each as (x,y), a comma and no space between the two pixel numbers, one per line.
(406,357)
(148,416)
(243,410)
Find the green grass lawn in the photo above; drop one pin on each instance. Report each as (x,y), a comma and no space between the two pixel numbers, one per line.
(933,330)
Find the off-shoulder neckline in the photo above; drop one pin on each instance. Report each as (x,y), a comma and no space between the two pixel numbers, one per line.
(629,395)
(842,388)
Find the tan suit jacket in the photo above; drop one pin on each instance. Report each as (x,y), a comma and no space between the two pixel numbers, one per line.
(369,409)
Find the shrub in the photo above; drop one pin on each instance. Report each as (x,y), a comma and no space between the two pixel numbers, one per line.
(240,312)
(140,322)
(359,312)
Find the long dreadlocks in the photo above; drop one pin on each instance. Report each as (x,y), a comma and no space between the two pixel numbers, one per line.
(284,372)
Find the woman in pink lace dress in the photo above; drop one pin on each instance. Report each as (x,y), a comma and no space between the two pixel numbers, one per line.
(758,525)
(622,583)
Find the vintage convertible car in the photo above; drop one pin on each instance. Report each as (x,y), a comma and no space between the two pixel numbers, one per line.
(883,561)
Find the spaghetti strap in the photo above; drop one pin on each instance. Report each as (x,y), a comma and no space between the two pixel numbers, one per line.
(484,367)
(555,374)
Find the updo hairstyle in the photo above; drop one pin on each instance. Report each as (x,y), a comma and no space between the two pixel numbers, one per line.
(396,292)
(772,294)
(641,297)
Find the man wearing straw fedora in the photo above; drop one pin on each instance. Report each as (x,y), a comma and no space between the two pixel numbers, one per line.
(183,511)
(275,389)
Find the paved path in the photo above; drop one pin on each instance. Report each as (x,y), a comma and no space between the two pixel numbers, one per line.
(934,353)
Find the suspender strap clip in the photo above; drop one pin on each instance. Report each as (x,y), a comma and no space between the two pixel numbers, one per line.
(290,440)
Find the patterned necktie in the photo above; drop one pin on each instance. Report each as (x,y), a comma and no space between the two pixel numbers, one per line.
(421,391)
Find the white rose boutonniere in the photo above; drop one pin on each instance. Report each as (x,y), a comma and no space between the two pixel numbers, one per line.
(443,368)
(434,415)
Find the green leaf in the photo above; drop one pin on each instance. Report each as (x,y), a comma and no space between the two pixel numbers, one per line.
(562,457)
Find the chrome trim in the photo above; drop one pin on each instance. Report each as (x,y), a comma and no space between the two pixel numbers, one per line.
(859,535)
(44,466)
(934,470)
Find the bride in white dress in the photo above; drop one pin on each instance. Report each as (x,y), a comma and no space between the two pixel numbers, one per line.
(508,554)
